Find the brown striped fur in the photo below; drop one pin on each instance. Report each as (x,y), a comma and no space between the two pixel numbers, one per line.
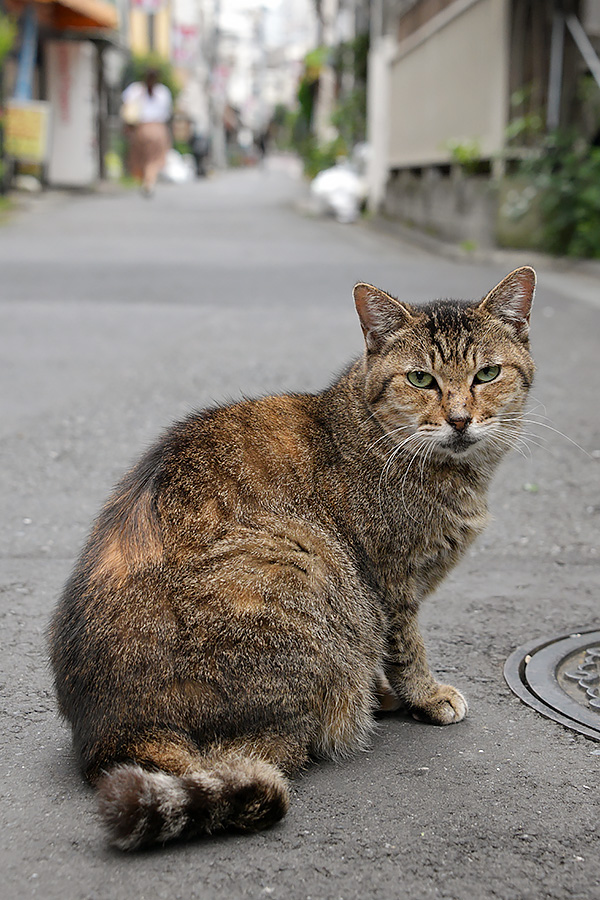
(249,594)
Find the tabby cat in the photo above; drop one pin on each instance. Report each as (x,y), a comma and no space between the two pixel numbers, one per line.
(248,596)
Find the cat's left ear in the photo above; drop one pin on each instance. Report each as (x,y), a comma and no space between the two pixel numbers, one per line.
(511,300)
(380,315)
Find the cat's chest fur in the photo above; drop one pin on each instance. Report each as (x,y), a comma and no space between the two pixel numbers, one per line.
(423,530)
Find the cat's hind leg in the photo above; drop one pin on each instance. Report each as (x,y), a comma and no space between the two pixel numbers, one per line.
(387,698)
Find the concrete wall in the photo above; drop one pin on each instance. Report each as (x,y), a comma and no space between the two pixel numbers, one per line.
(449,81)
(455,207)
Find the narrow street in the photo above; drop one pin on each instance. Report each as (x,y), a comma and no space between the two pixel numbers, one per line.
(119,315)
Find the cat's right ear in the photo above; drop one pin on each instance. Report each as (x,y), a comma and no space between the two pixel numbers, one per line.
(510,301)
(380,315)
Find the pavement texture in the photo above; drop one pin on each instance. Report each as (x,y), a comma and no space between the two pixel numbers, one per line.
(118,315)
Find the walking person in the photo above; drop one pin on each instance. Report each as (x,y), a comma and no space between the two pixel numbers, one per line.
(147,107)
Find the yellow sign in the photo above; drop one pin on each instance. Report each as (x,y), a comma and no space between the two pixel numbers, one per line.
(26,134)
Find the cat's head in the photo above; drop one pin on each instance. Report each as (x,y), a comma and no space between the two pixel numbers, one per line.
(451,376)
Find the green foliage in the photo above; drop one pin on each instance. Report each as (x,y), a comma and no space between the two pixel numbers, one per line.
(182,147)
(352,56)
(350,116)
(138,65)
(527,123)
(6,207)
(465,153)
(566,172)
(314,62)
(324,156)
(350,113)
(281,116)
(318,157)
(8,32)
(307,93)
(300,123)
(283,124)
(361,56)
(588,97)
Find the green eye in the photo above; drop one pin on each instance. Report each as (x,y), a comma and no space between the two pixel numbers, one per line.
(421,379)
(488,373)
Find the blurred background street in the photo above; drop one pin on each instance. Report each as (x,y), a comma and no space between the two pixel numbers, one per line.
(119,315)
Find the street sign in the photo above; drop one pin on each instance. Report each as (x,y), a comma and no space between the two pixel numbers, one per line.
(148,6)
(26,136)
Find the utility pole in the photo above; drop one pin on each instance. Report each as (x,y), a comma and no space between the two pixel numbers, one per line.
(557,54)
(326,97)
(150,19)
(3,179)
(217,104)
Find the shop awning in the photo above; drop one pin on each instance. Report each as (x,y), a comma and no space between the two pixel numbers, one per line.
(72,15)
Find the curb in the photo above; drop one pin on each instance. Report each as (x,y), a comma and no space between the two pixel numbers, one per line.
(484,255)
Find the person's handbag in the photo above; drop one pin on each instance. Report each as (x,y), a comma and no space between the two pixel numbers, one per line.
(131,111)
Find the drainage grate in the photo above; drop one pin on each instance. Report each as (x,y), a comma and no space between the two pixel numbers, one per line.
(560,678)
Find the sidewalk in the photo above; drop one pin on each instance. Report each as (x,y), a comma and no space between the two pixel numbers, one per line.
(119,315)
(579,278)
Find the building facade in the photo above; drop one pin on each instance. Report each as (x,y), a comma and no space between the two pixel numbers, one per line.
(450,81)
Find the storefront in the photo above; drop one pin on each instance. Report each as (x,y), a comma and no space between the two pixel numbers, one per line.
(60,63)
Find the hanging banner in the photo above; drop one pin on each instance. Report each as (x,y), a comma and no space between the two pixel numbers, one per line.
(184,44)
(26,130)
(148,6)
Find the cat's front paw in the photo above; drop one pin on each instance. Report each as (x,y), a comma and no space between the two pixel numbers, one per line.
(444,706)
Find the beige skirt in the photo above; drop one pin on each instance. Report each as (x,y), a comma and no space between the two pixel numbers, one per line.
(149,143)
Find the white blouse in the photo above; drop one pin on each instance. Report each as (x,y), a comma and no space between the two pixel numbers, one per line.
(155,108)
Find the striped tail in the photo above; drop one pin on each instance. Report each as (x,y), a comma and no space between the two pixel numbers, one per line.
(140,808)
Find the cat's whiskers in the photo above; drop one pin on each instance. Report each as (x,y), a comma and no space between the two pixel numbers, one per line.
(425,459)
(538,405)
(513,425)
(530,439)
(525,420)
(427,447)
(395,452)
(366,421)
(388,434)
(525,433)
(517,437)
(384,476)
(423,448)
(521,416)
(506,441)
(533,410)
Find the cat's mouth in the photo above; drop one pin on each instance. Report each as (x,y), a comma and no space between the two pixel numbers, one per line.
(459,442)
(452,441)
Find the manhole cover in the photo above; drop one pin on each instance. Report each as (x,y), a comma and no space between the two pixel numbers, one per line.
(560,678)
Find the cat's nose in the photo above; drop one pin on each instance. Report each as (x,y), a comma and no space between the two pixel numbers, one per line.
(460,421)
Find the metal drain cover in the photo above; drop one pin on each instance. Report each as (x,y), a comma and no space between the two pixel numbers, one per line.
(560,678)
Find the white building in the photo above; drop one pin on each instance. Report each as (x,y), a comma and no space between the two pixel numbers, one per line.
(443,75)
(243,53)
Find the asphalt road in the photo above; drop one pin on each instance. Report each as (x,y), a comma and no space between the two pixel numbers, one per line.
(119,315)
